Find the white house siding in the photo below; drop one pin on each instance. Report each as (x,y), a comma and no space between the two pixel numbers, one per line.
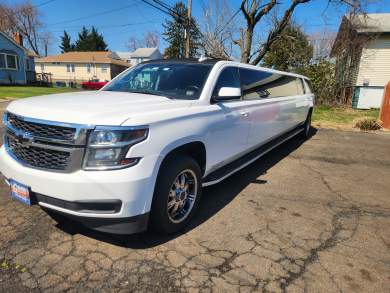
(373,73)
(374,65)
(370,97)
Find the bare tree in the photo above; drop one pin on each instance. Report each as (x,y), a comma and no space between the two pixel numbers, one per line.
(219,27)
(151,39)
(5,20)
(133,44)
(348,46)
(25,19)
(322,43)
(254,11)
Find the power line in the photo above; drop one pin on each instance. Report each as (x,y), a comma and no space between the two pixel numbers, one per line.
(107,26)
(228,22)
(166,6)
(93,15)
(44,3)
(180,17)
(158,8)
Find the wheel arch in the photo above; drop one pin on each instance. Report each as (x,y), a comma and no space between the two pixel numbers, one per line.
(195,149)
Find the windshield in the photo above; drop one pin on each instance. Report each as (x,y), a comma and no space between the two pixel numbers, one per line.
(172,80)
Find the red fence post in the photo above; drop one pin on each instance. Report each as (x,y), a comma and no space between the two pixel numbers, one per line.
(385,109)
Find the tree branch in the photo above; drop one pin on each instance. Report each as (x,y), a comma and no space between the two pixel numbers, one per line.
(266,9)
(276,31)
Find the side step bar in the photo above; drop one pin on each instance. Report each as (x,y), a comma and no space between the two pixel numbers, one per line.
(235,166)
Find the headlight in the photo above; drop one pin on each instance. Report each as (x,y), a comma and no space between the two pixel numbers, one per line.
(108,146)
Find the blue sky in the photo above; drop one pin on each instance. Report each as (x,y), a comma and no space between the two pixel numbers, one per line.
(118,20)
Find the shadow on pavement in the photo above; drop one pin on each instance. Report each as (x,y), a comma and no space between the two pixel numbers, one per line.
(214,199)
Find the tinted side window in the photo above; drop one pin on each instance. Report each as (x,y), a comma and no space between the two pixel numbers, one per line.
(302,86)
(254,83)
(309,86)
(258,84)
(228,78)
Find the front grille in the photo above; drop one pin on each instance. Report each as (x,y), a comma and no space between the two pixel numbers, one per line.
(42,130)
(38,157)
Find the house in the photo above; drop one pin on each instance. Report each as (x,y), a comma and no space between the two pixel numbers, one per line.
(16,62)
(75,67)
(140,55)
(362,53)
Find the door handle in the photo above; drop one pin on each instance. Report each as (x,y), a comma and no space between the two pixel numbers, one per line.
(244,113)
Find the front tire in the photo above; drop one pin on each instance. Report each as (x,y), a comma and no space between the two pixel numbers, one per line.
(177,194)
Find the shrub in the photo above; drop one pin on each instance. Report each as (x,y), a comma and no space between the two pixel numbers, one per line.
(321,74)
(368,123)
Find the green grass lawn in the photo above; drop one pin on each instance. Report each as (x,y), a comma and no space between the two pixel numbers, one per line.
(340,117)
(14,92)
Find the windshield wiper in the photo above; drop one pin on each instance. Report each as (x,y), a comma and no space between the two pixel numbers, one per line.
(147,92)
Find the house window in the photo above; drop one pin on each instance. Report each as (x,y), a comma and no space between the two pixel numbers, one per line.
(12,62)
(42,67)
(104,68)
(89,68)
(8,61)
(69,67)
(2,61)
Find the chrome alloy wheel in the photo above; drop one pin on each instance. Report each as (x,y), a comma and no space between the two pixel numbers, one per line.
(182,196)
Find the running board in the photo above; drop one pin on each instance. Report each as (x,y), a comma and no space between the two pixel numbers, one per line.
(235,166)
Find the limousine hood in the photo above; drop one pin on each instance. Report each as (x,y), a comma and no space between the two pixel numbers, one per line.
(96,108)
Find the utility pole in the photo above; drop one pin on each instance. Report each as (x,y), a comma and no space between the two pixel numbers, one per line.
(189,8)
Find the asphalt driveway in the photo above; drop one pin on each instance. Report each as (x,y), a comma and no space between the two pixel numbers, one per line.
(308,217)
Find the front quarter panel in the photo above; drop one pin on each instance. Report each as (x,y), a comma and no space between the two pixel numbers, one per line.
(165,136)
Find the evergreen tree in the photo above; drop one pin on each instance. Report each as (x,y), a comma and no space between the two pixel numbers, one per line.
(291,51)
(90,40)
(82,44)
(96,40)
(174,33)
(66,45)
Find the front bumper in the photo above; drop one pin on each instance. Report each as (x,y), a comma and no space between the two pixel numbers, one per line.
(125,226)
(133,187)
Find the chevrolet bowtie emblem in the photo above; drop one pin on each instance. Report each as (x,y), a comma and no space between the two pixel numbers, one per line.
(25,138)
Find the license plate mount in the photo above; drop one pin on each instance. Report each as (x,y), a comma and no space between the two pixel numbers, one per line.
(20,192)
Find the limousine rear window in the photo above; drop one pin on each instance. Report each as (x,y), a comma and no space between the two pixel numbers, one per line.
(257,84)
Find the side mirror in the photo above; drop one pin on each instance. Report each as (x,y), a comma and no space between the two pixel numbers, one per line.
(228,93)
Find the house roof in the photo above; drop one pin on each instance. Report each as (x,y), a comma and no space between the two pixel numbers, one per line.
(144,52)
(363,24)
(372,23)
(27,51)
(84,57)
(124,55)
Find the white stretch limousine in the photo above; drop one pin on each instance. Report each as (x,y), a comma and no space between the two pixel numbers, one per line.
(137,152)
